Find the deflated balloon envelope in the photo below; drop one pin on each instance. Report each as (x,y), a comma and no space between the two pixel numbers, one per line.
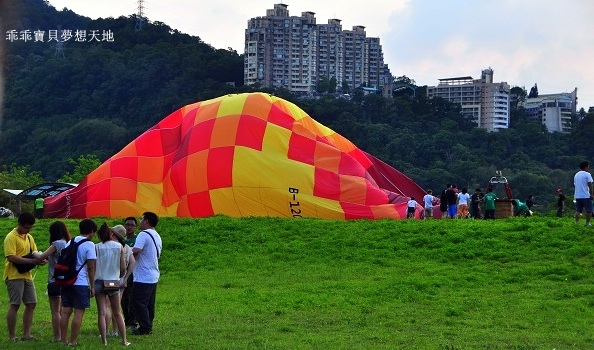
(249,154)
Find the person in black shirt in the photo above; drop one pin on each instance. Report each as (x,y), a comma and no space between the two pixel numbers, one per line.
(451,195)
(443,202)
(530,201)
(475,199)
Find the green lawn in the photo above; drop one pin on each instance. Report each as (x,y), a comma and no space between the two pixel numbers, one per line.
(264,283)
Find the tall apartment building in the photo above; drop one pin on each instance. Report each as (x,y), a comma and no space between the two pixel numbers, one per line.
(482,100)
(554,111)
(294,52)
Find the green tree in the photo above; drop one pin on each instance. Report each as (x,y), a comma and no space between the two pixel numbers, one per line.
(18,178)
(322,85)
(82,167)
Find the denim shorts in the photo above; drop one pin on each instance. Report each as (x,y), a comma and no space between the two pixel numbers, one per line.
(452,210)
(78,297)
(583,203)
(53,290)
(99,289)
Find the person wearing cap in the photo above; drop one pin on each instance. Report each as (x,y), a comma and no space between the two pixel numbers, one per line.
(119,235)
(111,265)
(560,203)
(583,192)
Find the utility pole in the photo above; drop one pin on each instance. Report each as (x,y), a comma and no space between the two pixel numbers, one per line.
(139,16)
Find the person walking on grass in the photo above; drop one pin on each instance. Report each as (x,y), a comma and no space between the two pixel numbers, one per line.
(77,298)
(147,250)
(20,286)
(583,192)
(59,236)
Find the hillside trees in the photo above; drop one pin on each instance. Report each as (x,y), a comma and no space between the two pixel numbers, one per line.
(16,177)
(102,95)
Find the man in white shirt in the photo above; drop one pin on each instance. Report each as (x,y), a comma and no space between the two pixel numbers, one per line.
(147,250)
(428,200)
(583,192)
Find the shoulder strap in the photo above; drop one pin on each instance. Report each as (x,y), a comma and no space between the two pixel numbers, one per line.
(77,245)
(154,242)
(29,240)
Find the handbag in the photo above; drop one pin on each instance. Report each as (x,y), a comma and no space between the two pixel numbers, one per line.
(111,285)
(22,268)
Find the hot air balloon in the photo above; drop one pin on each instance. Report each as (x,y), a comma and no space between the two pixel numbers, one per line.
(240,155)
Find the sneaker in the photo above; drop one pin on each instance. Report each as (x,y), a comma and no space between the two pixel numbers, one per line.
(588,224)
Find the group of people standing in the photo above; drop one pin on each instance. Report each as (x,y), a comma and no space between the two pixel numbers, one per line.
(454,203)
(121,255)
(479,205)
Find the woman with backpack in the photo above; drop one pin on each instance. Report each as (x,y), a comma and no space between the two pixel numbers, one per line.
(111,266)
(59,236)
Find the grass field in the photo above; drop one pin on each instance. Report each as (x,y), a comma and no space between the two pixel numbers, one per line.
(265,283)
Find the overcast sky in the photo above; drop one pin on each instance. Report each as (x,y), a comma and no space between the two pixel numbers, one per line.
(548,42)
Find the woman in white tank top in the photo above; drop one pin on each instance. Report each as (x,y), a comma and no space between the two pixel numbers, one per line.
(111,265)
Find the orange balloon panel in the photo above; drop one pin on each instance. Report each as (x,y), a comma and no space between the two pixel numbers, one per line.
(240,155)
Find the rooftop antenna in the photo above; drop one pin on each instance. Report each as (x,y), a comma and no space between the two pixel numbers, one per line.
(139,16)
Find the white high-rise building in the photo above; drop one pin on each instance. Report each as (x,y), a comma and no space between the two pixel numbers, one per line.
(554,111)
(294,52)
(486,103)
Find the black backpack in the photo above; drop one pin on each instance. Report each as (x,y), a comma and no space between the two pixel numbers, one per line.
(65,272)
